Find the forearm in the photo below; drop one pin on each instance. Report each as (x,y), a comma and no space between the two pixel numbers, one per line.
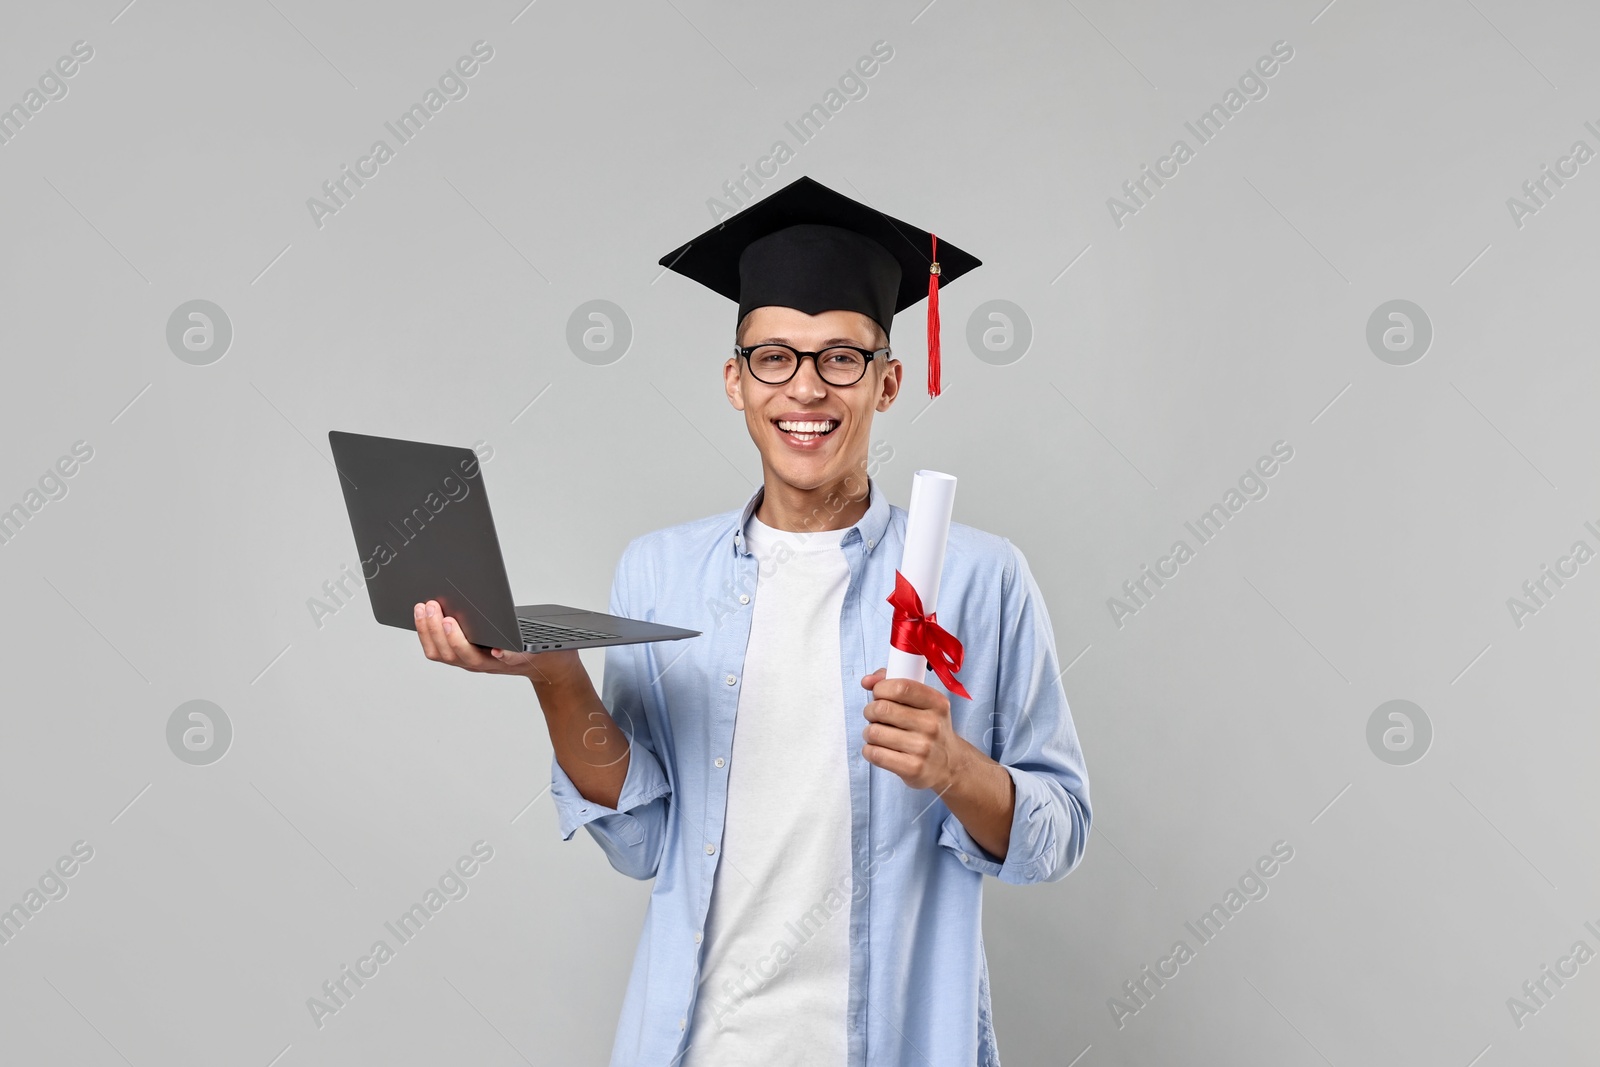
(982,796)
(589,745)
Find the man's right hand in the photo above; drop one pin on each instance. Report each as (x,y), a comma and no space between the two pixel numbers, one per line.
(443,642)
(587,742)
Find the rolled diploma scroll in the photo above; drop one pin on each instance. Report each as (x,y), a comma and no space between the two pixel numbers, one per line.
(933,499)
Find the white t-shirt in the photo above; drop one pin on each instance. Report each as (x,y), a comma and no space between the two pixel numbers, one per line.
(775,965)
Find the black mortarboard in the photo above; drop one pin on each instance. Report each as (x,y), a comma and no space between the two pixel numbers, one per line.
(814,250)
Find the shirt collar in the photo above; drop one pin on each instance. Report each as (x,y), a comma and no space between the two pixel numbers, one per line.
(869,529)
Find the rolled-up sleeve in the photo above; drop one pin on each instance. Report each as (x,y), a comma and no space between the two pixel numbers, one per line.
(1034,738)
(632,833)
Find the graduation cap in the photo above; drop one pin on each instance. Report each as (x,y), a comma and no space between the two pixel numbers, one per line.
(810,248)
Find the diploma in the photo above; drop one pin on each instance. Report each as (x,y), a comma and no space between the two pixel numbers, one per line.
(917,642)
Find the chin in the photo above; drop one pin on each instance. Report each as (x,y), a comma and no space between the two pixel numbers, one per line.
(804,473)
(800,469)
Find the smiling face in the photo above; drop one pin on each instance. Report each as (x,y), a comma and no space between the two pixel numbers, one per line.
(812,435)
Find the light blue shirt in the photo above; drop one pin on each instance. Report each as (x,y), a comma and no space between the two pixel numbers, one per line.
(919,983)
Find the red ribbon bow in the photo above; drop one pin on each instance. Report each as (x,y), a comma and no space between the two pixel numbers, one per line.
(912,631)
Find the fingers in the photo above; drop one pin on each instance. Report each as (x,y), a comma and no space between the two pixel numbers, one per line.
(892,761)
(904,716)
(443,641)
(464,653)
(430,630)
(432,640)
(908,704)
(905,691)
(891,738)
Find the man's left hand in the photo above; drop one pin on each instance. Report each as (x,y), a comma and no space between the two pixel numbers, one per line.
(909,733)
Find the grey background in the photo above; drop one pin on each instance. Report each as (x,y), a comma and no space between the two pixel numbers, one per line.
(1229,313)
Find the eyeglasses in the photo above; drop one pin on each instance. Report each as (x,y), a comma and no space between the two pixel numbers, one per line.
(775,364)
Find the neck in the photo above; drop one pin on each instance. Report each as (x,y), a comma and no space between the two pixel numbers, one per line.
(835,505)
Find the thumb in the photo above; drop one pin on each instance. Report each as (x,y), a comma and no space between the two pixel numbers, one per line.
(871,680)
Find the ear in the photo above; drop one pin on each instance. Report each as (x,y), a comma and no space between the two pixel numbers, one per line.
(733,383)
(889,385)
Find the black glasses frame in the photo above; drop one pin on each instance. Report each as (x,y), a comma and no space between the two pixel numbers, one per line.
(870,354)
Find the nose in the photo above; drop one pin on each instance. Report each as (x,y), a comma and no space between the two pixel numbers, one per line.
(807,380)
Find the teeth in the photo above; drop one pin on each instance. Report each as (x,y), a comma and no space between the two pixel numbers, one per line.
(807,427)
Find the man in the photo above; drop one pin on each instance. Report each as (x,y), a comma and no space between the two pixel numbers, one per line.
(818,856)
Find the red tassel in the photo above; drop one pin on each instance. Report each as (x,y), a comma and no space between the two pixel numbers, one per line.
(933,321)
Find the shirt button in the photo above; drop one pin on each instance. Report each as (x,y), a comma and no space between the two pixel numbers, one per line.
(730,679)
(871,541)
(711,849)
(682,1023)
(744,598)
(963,856)
(697,937)
(719,761)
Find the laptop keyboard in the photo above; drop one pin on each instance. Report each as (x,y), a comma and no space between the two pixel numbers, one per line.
(547,634)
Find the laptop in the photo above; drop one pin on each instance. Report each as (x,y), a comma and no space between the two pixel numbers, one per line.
(423,530)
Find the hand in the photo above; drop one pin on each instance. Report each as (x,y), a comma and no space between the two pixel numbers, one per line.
(909,733)
(443,642)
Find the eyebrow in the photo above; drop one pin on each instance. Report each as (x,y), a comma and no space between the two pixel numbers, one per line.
(830,341)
